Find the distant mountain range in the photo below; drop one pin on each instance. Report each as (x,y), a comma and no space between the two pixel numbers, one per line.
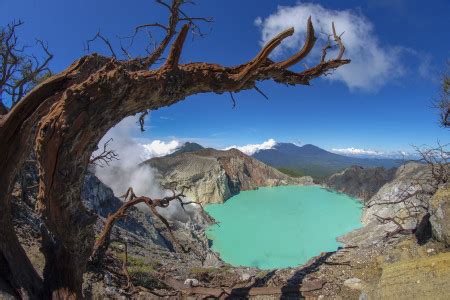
(314,161)
(305,160)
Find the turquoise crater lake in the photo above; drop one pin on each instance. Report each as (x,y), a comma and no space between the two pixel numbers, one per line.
(278,227)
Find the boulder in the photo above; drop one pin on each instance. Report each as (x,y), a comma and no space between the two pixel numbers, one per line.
(440,214)
(245,277)
(354,283)
(396,196)
(191,282)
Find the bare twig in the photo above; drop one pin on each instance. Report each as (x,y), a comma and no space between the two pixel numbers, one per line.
(142,120)
(261,92)
(125,266)
(233,100)
(19,72)
(325,49)
(105,157)
(102,38)
(443,102)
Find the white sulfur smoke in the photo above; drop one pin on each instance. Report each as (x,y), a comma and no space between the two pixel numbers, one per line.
(128,171)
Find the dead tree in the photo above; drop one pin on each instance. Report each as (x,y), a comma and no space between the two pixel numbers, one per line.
(19,71)
(74,109)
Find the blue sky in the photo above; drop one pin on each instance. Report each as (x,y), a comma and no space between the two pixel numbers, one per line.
(384,106)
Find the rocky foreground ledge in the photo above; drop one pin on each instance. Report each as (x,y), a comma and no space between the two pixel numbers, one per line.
(372,264)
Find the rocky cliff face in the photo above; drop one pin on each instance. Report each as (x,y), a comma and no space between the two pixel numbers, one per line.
(100,199)
(143,230)
(396,197)
(360,182)
(440,214)
(371,267)
(215,176)
(146,236)
(398,263)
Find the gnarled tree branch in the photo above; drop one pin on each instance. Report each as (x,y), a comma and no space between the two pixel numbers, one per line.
(131,200)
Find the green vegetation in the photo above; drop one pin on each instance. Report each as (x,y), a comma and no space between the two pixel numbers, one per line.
(318,173)
(203,274)
(142,272)
(291,172)
(207,274)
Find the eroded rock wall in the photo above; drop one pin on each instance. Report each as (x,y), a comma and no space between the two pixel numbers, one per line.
(359,182)
(214,175)
(402,197)
(440,214)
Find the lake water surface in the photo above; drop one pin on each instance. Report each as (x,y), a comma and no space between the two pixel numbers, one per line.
(277,227)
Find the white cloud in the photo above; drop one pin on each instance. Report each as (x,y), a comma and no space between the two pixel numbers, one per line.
(373,64)
(252,148)
(356,151)
(351,151)
(158,148)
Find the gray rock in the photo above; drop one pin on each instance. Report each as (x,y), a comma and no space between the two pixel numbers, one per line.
(107,279)
(109,290)
(440,214)
(363,296)
(385,203)
(192,282)
(370,234)
(245,277)
(215,176)
(360,182)
(212,260)
(99,198)
(354,283)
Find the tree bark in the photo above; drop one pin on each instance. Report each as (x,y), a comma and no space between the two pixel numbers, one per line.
(16,137)
(16,269)
(16,134)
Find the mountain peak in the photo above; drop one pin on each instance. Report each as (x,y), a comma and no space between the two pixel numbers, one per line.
(290,148)
(310,148)
(188,147)
(315,161)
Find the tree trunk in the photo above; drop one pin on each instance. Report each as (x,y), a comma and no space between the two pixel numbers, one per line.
(16,134)
(63,273)
(16,269)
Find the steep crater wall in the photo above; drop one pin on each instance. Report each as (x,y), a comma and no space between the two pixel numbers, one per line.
(214,175)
